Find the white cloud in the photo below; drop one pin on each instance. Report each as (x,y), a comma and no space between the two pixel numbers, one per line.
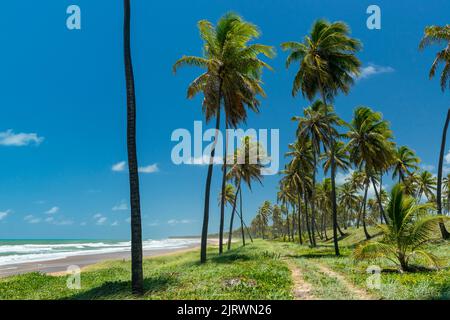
(447,158)
(149,169)
(204,160)
(49,219)
(175,221)
(115,224)
(153,224)
(31,219)
(342,178)
(122,206)
(373,69)
(100,219)
(428,167)
(119,167)
(4,214)
(53,210)
(10,139)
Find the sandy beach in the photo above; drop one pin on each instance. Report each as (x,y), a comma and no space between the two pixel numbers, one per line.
(59,266)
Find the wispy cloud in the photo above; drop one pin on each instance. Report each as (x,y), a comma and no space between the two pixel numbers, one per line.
(100,219)
(342,178)
(52,210)
(373,69)
(115,224)
(175,221)
(122,206)
(4,214)
(119,167)
(149,169)
(10,139)
(32,219)
(428,167)
(204,160)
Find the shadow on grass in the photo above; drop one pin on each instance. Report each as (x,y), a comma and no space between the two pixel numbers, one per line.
(231,257)
(120,289)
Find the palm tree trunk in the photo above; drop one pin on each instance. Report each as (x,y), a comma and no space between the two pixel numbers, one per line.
(307,219)
(204,241)
(380,204)
(222,200)
(299,218)
(230,233)
(364,211)
(293,222)
(313,206)
(288,225)
(445,234)
(137,278)
(242,218)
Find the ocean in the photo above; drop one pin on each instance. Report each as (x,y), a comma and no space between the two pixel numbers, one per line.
(23,251)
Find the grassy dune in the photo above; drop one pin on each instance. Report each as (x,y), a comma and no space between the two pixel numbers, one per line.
(258,271)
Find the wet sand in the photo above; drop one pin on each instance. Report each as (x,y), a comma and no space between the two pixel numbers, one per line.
(60,266)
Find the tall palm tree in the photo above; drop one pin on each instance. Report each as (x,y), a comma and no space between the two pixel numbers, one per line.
(349,200)
(369,146)
(441,36)
(232,78)
(328,66)
(405,162)
(315,126)
(137,277)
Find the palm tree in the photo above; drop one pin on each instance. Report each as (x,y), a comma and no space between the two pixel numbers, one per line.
(440,35)
(370,148)
(232,78)
(137,277)
(349,200)
(263,216)
(315,126)
(247,169)
(405,162)
(426,186)
(408,230)
(446,188)
(328,65)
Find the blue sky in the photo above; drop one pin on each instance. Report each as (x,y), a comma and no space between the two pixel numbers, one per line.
(62,114)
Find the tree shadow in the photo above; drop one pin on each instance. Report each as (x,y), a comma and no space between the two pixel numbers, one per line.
(119,289)
(231,258)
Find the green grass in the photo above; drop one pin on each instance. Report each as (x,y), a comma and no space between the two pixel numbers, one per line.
(258,271)
(253,272)
(421,285)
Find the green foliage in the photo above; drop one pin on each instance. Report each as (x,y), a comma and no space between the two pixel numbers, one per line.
(409,229)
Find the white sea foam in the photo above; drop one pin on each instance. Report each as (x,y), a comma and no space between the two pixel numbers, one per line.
(35,252)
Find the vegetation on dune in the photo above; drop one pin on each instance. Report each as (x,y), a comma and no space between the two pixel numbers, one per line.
(410,227)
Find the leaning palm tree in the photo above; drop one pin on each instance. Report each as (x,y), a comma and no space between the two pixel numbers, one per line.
(410,227)
(232,78)
(328,66)
(137,277)
(441,36)
(405,162)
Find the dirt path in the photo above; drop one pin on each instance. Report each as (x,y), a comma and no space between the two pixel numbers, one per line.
(359,293)
(302,290)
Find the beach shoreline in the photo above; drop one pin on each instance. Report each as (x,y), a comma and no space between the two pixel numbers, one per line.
(60,266)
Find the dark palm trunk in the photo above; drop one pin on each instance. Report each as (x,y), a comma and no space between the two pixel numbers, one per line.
(364,212)
(444,232)
(242,218)
(299,218)
(222,200)
(307,219)
(288,224)
(137,278)
(204,241)
(313,207)
(380,204)
(230,233)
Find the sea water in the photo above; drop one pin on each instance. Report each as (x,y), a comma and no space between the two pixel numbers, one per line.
(24,251)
